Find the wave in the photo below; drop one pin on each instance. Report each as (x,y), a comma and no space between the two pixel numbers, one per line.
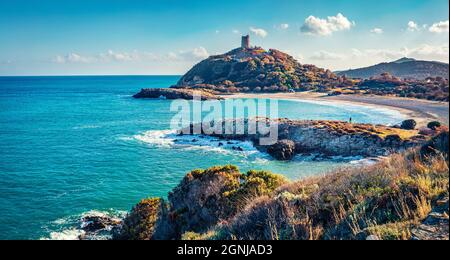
(72,227)
(170,139)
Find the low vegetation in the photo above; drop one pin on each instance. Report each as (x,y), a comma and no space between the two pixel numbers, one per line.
(385,200)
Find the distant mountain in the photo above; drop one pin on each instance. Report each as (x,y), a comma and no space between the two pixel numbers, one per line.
(402,68)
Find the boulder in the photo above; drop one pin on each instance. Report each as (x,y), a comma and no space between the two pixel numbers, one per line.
(283,150)
(93,224)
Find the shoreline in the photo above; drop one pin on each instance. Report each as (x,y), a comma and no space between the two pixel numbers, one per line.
(423,111)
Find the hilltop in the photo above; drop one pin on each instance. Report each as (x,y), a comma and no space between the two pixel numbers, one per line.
(256,70)
(402,68)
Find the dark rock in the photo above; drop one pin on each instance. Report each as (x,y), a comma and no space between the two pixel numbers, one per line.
(283,150)
(220,144)
(96,223)
(436,225)
(170,93)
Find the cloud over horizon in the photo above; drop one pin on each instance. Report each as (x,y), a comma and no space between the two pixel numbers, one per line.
(193,55)
(440,27)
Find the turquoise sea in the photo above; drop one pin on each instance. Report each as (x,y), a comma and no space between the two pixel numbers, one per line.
(72,145)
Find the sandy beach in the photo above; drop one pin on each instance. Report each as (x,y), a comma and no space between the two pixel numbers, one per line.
(423,111)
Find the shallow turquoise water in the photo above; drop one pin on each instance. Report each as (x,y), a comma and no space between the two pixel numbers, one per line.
(69,145)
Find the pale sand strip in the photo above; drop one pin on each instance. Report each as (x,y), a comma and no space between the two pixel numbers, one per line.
(423,111)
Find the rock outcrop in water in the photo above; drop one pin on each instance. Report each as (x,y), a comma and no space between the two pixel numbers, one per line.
(170,93)
(330,138)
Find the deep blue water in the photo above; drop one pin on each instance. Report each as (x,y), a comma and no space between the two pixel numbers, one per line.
(69,145)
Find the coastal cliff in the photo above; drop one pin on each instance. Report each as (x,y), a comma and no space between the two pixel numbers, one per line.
(397,198)
(329,138)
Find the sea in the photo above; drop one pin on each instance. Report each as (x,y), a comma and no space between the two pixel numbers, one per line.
(72,146)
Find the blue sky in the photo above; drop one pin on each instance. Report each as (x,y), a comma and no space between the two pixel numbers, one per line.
(51,37)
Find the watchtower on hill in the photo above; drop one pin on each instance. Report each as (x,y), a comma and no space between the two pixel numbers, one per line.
(245,42)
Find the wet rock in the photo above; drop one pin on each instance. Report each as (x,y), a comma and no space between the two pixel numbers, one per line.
(170,93)
(96,223)
(283,150)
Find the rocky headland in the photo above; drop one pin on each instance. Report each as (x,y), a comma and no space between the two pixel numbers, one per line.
(404,196)
(329,138)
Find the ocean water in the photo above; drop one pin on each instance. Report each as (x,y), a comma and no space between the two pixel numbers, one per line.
(71,146)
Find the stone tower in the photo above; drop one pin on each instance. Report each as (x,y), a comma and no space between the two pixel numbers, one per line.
(245,42)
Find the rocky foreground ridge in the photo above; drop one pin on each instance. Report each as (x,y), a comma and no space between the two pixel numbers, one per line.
(329,138)
(402,197)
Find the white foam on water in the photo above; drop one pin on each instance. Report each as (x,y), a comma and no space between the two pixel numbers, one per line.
(71,227)
(86,127)
(158,138)
(169,139)
(68,234)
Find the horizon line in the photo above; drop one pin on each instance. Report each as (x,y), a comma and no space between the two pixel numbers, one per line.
(97,75)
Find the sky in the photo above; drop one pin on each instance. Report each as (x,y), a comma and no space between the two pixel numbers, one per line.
(167,37)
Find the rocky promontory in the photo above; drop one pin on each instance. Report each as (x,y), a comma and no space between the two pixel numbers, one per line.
(402,197)
(170,93)
(330,138)
(255,70)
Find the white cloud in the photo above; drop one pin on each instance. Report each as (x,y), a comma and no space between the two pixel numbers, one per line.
(429,52)
(317,26)
(73,58)
(421,52)
(283,26)
(440,27)
(325,55)
(193,55)
(377,31)
(259,32)
(413,26)
(236,31)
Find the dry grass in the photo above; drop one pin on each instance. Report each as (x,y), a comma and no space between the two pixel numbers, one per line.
(378,130)
(385,199)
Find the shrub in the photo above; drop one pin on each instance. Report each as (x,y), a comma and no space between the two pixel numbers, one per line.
(409,124)
(141,222)
(434,125)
